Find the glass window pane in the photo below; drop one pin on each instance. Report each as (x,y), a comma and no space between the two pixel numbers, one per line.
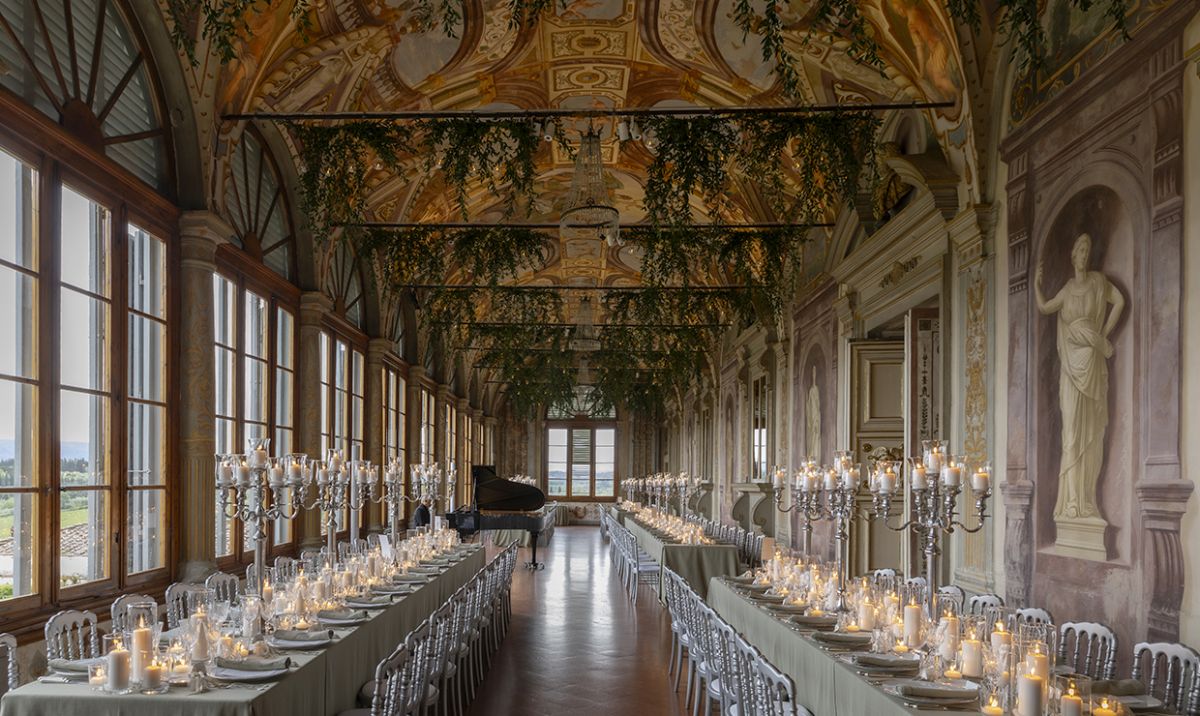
(83,536)
(284,339)
(83,449)
(283,398)
(223,378)
(83,340)
(147,445)
(18,212)
(256,389)
(606,436)
(85,249)
(224,436)
(558,436)
(147,541)
(18,535)
(147,355)
(359,369)
(18,441)
(581,480)
(147,273)
(18,323)
(256,325)
(224,311)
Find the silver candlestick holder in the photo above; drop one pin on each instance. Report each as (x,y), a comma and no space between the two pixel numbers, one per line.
(394,496)
(332,482)
(259,490)
(361,492)
(806,501)
(936,481)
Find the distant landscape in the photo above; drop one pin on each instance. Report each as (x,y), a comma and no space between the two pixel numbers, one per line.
(70,451)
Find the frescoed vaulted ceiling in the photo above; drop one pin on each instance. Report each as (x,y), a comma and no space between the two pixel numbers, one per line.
(366,55)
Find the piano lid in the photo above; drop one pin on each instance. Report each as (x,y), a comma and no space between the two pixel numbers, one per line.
(493,492)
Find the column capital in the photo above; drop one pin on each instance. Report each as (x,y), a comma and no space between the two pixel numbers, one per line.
(463,405)
(377,348)
(200,233)
(443,393)
(415,374)
(490,420)
(314,305)
(476,414)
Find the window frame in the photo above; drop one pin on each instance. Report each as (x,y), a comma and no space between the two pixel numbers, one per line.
(393,365)
(593,426)
(338,329)
(62,160)
(250,275)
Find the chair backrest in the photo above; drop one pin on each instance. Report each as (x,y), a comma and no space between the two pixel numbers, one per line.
(955,592)
(8,657)
(391,696)
(120,606)
(1034,615)
(917,582)
(884,572)
(1173,673)
(1088,648)
(71,634)
(226,587)
(980,603)
(285,567)
(179,601)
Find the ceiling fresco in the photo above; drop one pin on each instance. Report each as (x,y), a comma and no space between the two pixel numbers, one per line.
(371,55)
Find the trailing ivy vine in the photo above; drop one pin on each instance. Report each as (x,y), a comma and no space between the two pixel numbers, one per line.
(222,23)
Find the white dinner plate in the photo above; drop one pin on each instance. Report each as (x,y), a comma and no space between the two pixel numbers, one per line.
(1140,702)
(301,645)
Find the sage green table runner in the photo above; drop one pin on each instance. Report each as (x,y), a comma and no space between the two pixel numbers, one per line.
(325,682)
(824,685)
(695,563)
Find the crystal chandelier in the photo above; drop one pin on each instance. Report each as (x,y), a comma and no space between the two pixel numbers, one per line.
(589,206)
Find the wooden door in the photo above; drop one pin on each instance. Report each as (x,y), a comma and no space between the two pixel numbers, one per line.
(878,408)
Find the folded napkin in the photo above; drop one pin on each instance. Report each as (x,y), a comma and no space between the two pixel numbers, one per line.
(254,663)
(1118,687)
(395,588)
(373,602)
(823,621)
(341,615)
(298,635)
(73,666)
(936,691)
(410,577)
(774,598)
(843,638)
(788,608)
(886,661)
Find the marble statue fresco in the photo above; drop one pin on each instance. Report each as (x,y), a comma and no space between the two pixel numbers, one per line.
(1085,321)
(812,419)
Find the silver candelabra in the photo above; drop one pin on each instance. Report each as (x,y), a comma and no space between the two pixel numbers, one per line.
(333,482)
(936,481)
(257,490)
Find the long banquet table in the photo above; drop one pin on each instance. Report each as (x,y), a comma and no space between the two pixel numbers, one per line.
(695,563)
(824,685)
(324,682)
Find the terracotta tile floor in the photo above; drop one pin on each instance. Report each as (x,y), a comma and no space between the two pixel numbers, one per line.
(576,645)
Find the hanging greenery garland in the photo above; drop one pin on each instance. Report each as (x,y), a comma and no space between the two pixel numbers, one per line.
(429,255)
(222,22)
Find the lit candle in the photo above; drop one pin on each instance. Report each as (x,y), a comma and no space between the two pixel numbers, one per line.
(1038,662)
(276,476)
(200,646)
(887,481)
(99,676)
(981,480)
(152,676)
(912,623)
(225,475)
(1104,709)
(993,708)
(294,471)
(181,669)
(1029,695)
(268,592)
(950,631)
(118,668)
(866,614)
(850,478)
(1071,703)
(777,480)
(1001,638)
(951,475)
(140,647)
(243,473)
(900,648)
(852,628)
(972,658)
(323,476)
(952,673)
(259,456)
(810,482)
(918,475)
(830,480)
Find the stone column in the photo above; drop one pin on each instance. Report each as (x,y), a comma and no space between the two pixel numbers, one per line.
(377,348)
(200,232)
(442,452)
(314,306)
(412,429)
(491,437)
(462,452)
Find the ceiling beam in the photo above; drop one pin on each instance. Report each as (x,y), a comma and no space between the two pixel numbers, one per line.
(501,324)
(556,227)
(415,115)
(568,287)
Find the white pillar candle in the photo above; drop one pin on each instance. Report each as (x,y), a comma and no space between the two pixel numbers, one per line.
(200,646)
(225,475)
(972,658)
(866,615)
(1038,662)
(887,482)
(268,592)
(140,646)
(830,480)
(1070,705)
(949,626)
(1001,638)
(912,624)
(294,471)
(951,475)
(981,480)
(152,676)
(1029,695)
(118,669)
(276,476)
(243,473)
(777,480)
(850,478)
(1104,709)
(260,457)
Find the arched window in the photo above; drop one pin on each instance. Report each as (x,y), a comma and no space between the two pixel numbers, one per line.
(86,266)
(81,64)
(343,284)
(257,206)
(254,327)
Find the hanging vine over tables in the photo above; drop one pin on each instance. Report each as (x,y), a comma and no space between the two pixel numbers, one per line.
(222,22)
(429,255)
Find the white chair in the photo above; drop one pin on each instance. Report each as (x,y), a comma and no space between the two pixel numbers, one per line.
(180,601)
(1034,615)
(980,603)
(1088,648)
(389,694)
(8,657)
(1174,674)
(955,593)
(226,587)
(119,609)
(71,634)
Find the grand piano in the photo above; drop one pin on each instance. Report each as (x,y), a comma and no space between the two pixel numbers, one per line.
(501,504)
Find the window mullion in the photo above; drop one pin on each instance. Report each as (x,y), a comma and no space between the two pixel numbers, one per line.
(48,478)
(118,375)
